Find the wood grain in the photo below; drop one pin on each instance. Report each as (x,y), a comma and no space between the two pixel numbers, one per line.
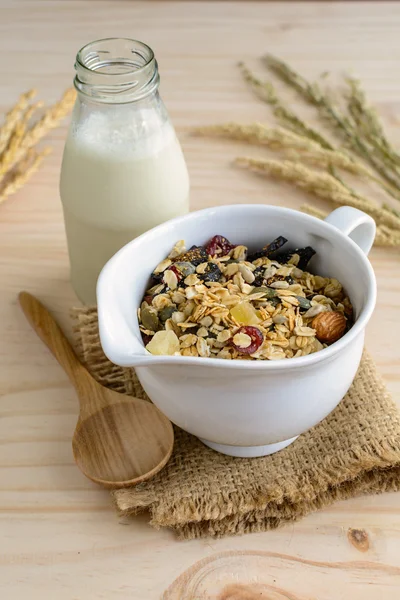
(59,535)
(119,441)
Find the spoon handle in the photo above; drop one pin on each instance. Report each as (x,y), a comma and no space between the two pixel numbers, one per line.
(50,333)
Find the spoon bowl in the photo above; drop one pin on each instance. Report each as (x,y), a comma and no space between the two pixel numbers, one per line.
(115,427)
(119,440)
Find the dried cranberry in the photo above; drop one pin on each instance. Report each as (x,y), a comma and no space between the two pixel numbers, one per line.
(256,336)
(219,246)
(148,298)
(146,338)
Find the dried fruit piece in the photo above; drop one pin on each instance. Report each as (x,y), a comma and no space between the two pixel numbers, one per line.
(195,255)
(329,326)
(211,273)
(146,338)
(245,314)
(149,318)
(219,246)
(305,255)
(163,343)
(259,278)
(269,248)
(250,345)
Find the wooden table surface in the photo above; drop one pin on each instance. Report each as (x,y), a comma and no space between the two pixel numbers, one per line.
(59,535)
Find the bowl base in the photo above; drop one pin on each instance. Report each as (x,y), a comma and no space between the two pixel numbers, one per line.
(249,451)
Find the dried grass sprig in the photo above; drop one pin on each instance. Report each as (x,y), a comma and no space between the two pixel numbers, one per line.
(320,184)
(266,91)
(18,138)
(302,145)
(341,123)
(295,147)
(368,123)
(27,167)
(12,118)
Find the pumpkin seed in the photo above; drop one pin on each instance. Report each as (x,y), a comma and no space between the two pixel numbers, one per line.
(166,312)
(150,318)
(268,292)
(186,268)
(303,303)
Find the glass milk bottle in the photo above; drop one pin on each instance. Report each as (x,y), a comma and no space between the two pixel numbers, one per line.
(123,170)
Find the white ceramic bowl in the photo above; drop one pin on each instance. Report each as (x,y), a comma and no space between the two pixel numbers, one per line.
(242,408)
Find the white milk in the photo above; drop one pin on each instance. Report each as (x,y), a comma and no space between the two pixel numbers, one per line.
(120,177)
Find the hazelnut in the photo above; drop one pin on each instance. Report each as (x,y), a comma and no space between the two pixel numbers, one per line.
(329,326)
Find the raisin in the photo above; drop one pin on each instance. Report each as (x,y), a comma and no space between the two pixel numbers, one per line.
(259,279)
(269,248)
(219,246)
(157,276)
(146,338)
(256,337)
(305,254)
(212,273)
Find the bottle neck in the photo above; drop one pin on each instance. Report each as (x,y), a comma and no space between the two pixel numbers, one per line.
(116,71)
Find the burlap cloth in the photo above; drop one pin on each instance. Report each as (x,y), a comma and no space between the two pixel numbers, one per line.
(356,450)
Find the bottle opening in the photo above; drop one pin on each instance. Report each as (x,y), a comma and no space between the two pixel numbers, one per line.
(116,70)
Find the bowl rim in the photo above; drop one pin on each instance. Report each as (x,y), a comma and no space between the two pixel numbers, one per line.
(145,358)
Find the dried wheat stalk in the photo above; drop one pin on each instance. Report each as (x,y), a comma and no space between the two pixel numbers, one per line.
(320,184)
(303,145)
(341,123)
(12,118)
(18,160)
(295,147)
(266,91)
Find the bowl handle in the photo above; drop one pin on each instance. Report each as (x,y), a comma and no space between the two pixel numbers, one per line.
(354,223)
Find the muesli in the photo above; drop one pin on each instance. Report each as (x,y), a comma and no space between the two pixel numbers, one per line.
(221,301)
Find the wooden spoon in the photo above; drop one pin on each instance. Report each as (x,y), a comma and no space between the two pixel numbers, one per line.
(119,440)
